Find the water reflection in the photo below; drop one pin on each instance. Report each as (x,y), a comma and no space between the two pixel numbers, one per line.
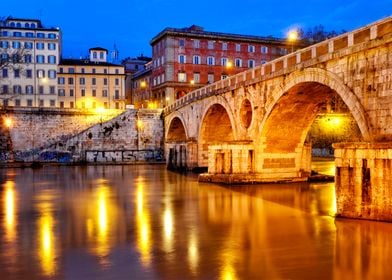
(143,226)
(143,222)
(46,250)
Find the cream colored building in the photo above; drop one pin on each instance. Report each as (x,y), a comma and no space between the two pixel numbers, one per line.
(91,83)
(29,54)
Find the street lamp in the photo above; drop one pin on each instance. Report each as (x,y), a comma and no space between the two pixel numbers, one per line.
(292,37)
(7,122)
(100,111)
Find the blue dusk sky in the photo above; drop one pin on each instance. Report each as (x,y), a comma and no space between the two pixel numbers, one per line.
(132,24)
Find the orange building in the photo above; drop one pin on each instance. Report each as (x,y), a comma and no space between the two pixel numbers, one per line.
(91,83)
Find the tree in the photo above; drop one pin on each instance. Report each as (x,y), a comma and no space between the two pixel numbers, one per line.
(318,33)
(12,61)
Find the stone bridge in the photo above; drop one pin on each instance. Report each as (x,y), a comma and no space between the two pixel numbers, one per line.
(252,127)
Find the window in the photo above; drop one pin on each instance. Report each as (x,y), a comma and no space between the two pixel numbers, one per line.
(52,103)
(17,89)
(117,71)
(61,104)
(116,94)
(40,35)
(223,76)
(52,74)
(28,45)
(82,81)
(181,42)
(29,73)
(264,49)
(52,89)
(224,46)
(251,63)
(16,73)
(5,73)
(4,57)
(61,92)
(181,59)
(71,104)
(196,59)
(94,70)
(29,102)
(51,46)
(223,61)
(61,80)
(182,77)
(40,59)
(5,89)
(94,81)
(237,47)
(263,62)
(95,55)
(238,62)
(29,34)
(105,105)
(52,36)
(210,45)
(17,34)
(210,78)
(17,102)
(105,81)
(16,58)
(94,93)
(4,44)
(196,77)
(41,74)
(105,71)
(116,81)
(196,44)
(82,70)
(70,81)
(41,89)
(104,93)
(52,59)
(83,92)
(101,55)
(16,45)
(251,48)
(29,89)
(28,58)
(71,92)
(211,60)
(40,46)
(71,70)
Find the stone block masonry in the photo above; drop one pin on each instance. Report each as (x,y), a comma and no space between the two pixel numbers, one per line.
(364,180)
(75,136)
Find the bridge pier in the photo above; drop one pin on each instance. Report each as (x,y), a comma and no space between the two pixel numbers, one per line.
(363,180)
(237,162)
(181,156)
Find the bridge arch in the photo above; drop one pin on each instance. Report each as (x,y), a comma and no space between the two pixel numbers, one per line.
(324,80)
(217,126)
(176,129)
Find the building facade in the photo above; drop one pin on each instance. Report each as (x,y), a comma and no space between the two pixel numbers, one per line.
(141,88)
(29,55)
(91,83)
(188,58)
(132,66)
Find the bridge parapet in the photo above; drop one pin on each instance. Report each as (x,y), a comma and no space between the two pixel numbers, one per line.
(317,53)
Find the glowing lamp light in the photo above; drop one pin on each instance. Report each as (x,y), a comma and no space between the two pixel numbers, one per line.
(100,110)
(292,35)
(143,84)
(8,122)
(192,82)
(229,64)
(139,124)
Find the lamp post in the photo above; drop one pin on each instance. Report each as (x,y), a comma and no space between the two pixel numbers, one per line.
(292,38)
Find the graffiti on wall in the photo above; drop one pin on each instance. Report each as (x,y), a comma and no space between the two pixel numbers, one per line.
(124,156)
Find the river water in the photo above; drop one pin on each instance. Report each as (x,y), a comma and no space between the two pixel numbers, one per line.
(144,222)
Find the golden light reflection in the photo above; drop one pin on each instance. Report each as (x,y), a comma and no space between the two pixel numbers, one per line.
(102,247)
(228,257)
(193,253)
(46,249)
(168,229)
(143,226)
(9,209)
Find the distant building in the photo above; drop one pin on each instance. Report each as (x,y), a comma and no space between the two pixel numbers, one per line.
(132,66)
(187,58)
(141,88)
(91,83)
(29,54)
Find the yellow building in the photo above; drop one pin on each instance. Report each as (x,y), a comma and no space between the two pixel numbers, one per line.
(91,83)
